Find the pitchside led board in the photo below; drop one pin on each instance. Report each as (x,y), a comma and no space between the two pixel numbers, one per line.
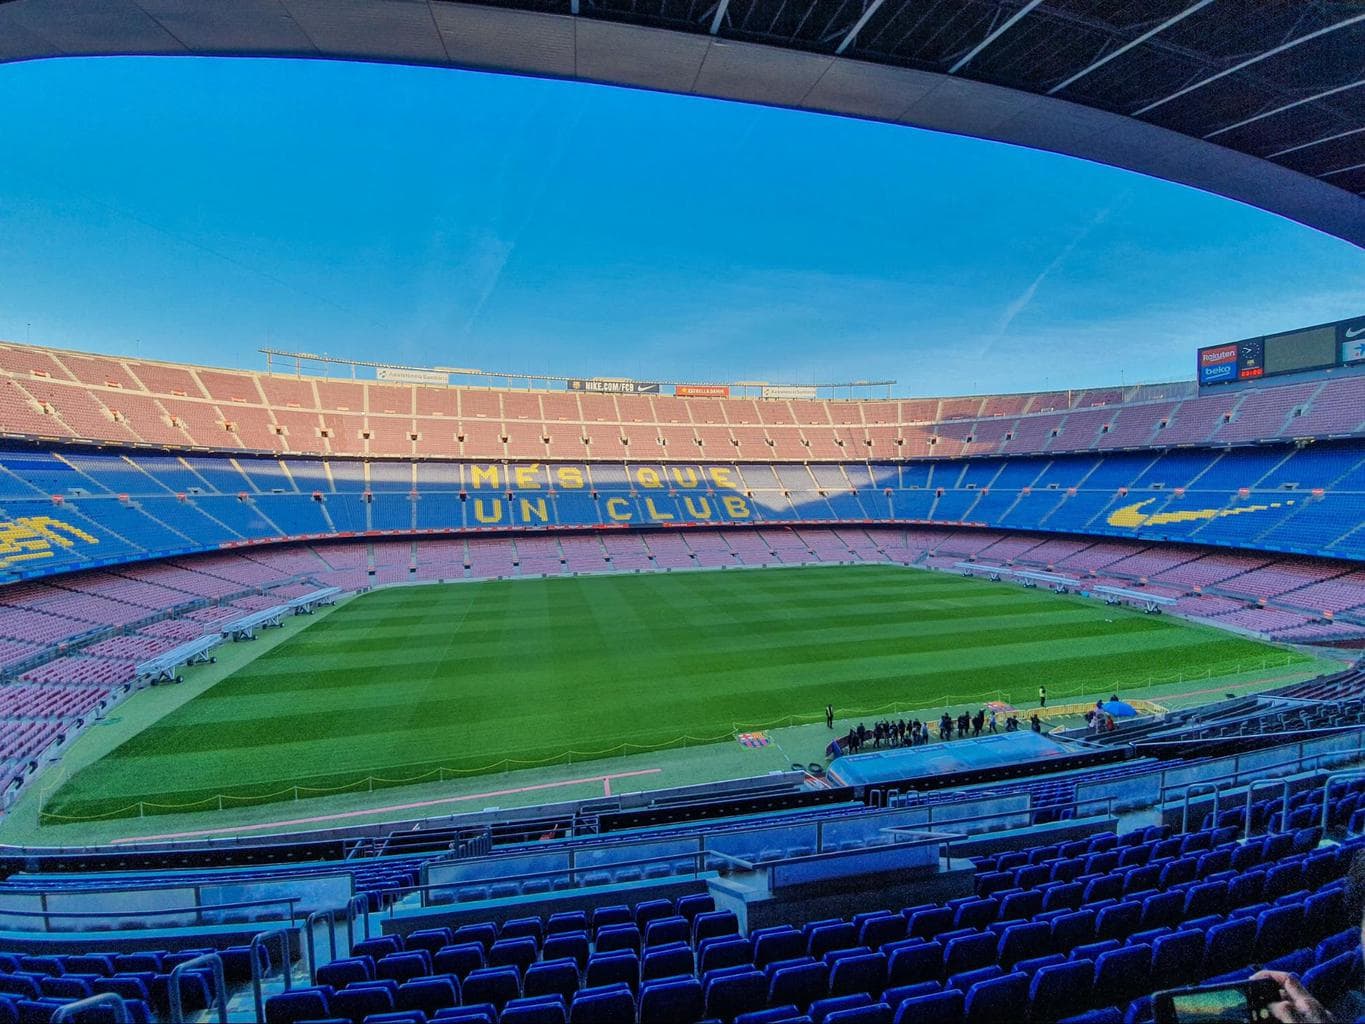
(1311,348)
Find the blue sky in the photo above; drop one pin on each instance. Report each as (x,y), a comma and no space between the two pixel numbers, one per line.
(199,209)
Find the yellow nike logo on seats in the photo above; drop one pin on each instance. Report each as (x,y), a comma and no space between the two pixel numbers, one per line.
(1131,516)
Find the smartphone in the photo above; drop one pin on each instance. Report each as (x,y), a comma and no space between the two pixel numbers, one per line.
(1238,1002)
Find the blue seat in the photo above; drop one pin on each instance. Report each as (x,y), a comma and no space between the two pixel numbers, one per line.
(773,944)
(612,1004)
(1024,942)
(768,1015)
(826,937)
(822,1008)
(1074,929)
(1060,990)
(459,959)
(298,1005)
(1106,887)
(723,951)
(964,981)
(1228,946)
(668,961)
(1330,980)
(495,985)
(925,924)
(1121,975)
(877,931)
(1021,905)
(567,946)
(968,952)
(713,923)
(401,967)
(1068,895)
(664,931)
(671,1001)
(1177,959)
(1118,921)
(470,1013)
(1278,931)
(357,1003)
(730,995)
(340,973)
(605,917)
(483,933)
(619,967)
(617,936)
(69,987)
(975,913)
(1281,879)
(430,939)
(872,1013)
(865,972)
(697,903)
(941,1007)
(566,921)
(799,983)
(647,911)
(911,964)
(429,995)
(999,999)
(551,977)
(537,1010)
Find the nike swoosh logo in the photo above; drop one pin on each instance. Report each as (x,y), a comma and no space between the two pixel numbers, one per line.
(1356,333)
(1131,516)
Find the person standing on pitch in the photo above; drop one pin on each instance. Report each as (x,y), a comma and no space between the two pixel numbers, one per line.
(829,716)
(1042,696)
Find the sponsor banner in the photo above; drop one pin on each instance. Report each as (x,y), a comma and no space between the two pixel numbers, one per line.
(400,375)
(788,391)
(1351,341)
(1250,358)
(1217,364)
(701,390)
(614,387)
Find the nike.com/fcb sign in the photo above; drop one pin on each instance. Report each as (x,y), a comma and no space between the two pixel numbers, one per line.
(1217,364)
(1351,341)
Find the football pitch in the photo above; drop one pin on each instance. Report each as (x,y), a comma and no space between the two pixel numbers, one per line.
(416,684)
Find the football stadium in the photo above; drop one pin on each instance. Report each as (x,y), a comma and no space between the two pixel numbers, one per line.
(355,689)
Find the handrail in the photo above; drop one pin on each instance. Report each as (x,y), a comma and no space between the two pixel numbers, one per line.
(698,857)
(1256,784)
(289,901)
(211,960)
(358,906)
(1348,773)
(319,915)
(72,1011)
(258,942)
(1203,787)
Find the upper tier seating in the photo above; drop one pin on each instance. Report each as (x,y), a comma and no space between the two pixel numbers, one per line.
(58,394)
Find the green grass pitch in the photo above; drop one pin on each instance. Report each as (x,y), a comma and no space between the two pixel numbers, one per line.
(477,677)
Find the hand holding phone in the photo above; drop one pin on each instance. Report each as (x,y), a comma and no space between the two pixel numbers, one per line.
(1240,1002)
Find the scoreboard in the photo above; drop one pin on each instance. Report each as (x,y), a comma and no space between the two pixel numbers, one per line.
(1311,348)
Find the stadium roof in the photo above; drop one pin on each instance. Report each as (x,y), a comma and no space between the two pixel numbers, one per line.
(1259,100)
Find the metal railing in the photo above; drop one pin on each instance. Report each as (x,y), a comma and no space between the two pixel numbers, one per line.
(75,1011)
(215,963)
(310,939)
(286,956)
(46,915)
(1283,786)
(1350,773)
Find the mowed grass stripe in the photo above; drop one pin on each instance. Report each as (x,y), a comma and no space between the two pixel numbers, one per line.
(469,676)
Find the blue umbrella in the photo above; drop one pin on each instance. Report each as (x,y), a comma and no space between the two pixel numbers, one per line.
(1120,709)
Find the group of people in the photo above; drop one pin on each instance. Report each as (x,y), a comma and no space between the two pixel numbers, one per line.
(914,733)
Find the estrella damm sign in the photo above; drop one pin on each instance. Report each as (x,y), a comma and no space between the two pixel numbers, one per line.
(30,538)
